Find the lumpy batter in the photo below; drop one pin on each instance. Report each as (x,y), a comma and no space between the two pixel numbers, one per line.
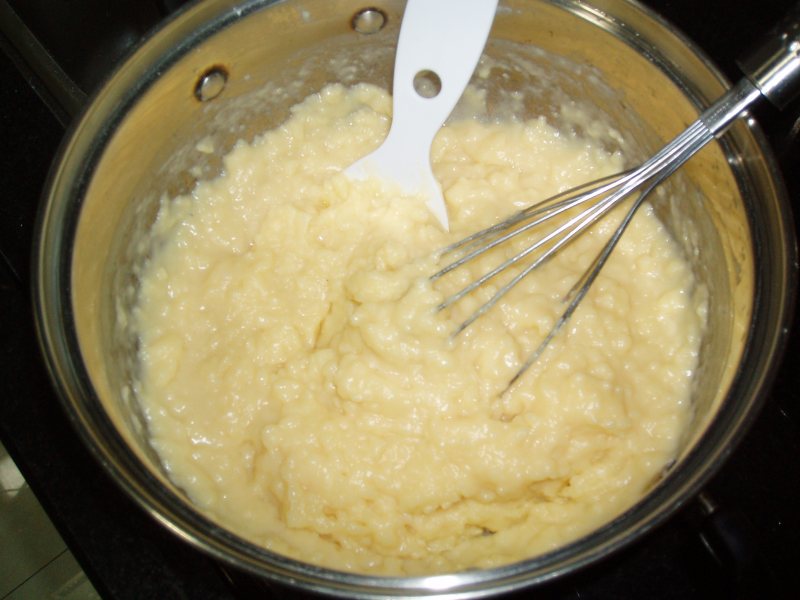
(301,388)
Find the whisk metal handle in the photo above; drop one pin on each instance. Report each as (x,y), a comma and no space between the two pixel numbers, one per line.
(772,71)
(774,66)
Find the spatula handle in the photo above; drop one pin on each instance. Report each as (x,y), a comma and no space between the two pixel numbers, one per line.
(445,38)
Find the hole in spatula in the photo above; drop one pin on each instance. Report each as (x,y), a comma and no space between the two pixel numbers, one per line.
(427,84)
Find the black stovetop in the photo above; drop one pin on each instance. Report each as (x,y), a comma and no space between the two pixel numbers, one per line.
(127,555)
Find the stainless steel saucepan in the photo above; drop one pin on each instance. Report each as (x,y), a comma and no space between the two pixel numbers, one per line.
(223,70)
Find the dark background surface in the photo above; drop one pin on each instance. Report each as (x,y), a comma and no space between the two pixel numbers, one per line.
(127,555)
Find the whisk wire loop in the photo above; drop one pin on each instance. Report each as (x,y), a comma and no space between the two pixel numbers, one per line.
(594,200)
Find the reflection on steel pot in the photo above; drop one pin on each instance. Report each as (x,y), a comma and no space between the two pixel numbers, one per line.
(221,71)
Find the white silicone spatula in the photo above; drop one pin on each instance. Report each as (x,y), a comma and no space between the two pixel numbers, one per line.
(439,46)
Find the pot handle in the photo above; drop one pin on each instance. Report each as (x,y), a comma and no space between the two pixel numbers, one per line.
(57,89)
(731,540)
(64,52)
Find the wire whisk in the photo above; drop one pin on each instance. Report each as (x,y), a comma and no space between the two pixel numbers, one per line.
(775,78)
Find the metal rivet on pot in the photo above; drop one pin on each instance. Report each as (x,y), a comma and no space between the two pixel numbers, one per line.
(369,20)
(211,83)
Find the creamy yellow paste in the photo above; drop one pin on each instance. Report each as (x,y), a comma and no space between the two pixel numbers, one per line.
(301,387)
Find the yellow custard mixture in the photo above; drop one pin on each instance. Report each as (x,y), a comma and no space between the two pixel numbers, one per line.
(302,389)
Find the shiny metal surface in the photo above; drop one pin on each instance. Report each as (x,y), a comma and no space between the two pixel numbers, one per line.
(774,68)
(136,143)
